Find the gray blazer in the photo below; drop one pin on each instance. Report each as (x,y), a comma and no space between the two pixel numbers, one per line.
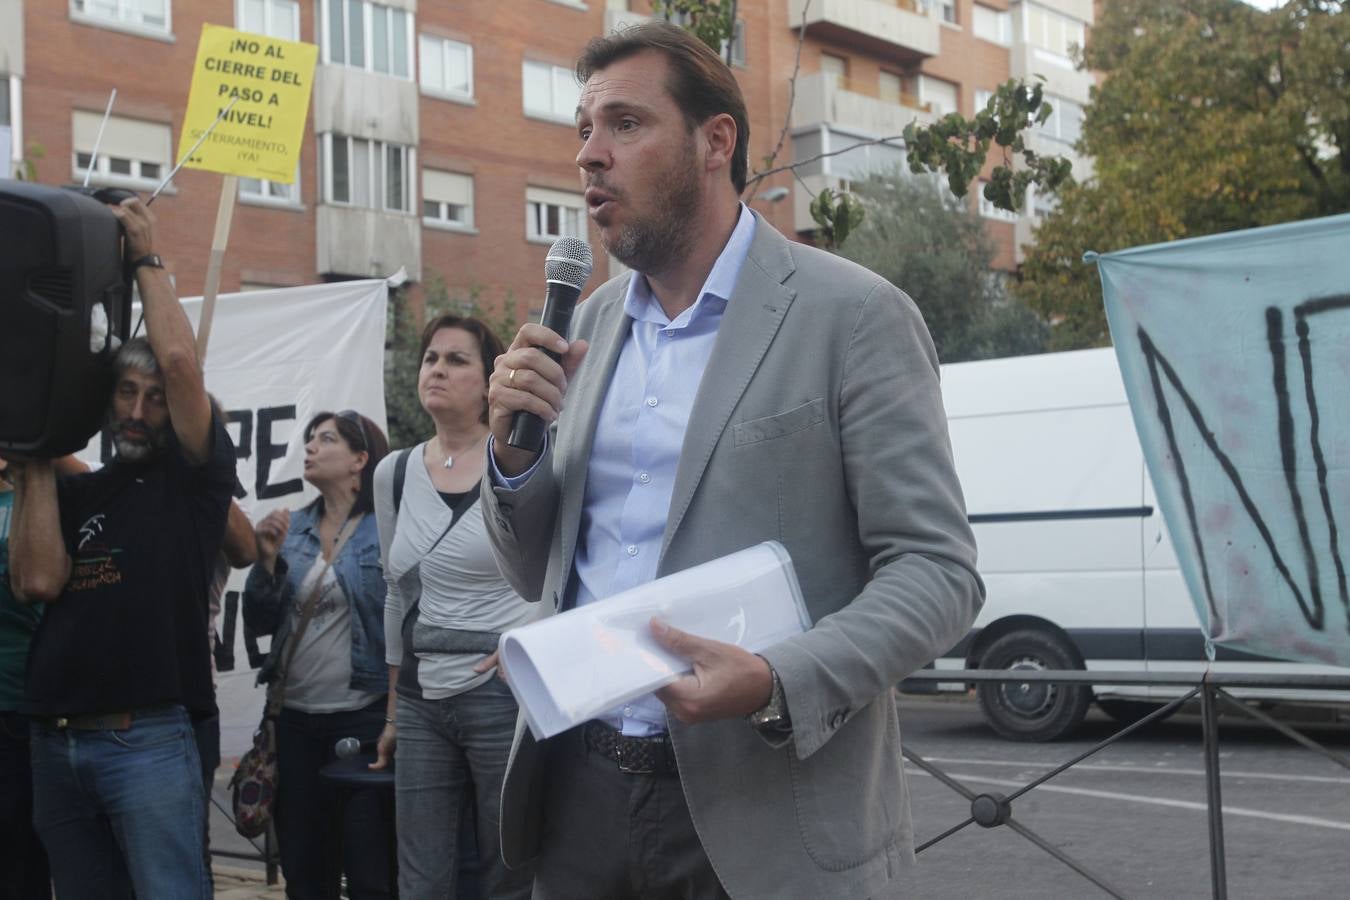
(819,424)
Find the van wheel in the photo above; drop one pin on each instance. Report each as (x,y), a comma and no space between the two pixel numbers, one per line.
(1127,712)
(1032,711)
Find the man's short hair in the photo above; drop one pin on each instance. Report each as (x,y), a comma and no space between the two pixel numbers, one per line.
(700,82)
(136,354)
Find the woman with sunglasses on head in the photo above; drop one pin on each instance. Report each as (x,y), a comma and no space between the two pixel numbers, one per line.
(318,579)
(450,719)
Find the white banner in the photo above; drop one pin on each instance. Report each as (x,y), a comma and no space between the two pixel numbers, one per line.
(276,358)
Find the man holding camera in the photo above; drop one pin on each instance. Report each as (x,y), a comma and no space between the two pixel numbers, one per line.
(118,667)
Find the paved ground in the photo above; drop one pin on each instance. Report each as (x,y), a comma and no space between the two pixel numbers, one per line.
(1134,814)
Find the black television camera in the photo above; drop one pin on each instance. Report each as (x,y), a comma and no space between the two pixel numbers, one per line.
(65,308)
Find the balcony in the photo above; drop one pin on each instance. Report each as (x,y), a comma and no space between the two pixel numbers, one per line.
(823,98)
(1046,146)
(367,243)
(895,30)
(366,105)
(1027,61)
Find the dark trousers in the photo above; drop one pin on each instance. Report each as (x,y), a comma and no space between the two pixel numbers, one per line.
(305,807)
(23,863)
(609,835)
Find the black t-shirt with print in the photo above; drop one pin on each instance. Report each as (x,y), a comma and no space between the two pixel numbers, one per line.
(129,630)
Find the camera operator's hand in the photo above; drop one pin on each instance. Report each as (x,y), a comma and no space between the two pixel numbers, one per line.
(139,224)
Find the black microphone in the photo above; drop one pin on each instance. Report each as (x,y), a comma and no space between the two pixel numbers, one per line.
(351,748)
(566,269)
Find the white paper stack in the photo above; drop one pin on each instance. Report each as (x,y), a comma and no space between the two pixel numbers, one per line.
(573,666)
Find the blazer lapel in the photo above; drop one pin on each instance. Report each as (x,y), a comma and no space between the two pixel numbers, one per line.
(583,406)
(754,312)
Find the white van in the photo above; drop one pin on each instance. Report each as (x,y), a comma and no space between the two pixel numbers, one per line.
(1079,566)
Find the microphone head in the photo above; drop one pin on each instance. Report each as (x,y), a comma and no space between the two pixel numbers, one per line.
(347,748)
(568,262)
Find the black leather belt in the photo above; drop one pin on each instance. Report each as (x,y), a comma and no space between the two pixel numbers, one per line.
(634,755)
(117,721)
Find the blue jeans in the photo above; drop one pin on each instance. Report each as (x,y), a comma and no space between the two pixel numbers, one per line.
(121,811)
(445,748)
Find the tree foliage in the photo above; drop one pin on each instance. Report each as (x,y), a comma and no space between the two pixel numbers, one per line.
(959,147)
(919,236)
(1213,116)
(711,21)
(408,422)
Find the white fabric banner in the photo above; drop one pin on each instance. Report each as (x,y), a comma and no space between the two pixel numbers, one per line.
(276,358)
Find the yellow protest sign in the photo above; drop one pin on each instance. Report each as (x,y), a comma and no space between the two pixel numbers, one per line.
(269,81)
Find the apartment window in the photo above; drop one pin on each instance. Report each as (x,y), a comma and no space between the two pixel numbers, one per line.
(132,153)
(551,92)
(1041,203)
(993,25)
(9,143)
(834,65)
(372,174)
(447,199)
(982,98)
(947,8)
(990,211)
(939,95)
(553,214)
(262,190)
(890,87)
(856,163)
(737,55)
(1052,32)
(147,15)
(1066,121)
(446,66)
(274,18)
(368,36)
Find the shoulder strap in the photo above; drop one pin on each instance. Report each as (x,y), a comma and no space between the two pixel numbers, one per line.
(400,475)
(276,696)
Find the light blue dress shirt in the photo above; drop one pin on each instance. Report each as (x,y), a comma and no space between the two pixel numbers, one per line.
(631,472)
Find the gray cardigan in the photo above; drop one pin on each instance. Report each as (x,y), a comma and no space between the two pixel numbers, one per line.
(459,583)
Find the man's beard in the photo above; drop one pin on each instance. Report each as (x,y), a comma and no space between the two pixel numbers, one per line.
(137,449)
(653,244)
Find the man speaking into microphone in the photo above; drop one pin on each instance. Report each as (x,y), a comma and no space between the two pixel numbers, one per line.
(736,388)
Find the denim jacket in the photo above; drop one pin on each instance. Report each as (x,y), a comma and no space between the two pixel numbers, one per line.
(268,599)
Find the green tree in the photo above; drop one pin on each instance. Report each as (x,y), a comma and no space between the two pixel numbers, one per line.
(919,236)
(1212,116)
(408,422)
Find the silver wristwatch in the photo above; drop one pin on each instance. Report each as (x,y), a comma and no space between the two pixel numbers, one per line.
(774,714)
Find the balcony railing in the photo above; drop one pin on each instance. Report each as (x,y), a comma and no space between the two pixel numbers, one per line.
(895,29)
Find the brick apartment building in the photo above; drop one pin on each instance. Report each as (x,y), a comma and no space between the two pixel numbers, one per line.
(440,135)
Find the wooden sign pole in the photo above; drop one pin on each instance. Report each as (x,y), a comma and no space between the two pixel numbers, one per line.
(224,214)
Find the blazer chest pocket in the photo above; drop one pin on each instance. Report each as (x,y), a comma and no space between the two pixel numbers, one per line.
(798,418)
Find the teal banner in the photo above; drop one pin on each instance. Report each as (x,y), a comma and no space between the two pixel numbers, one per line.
(1235,350)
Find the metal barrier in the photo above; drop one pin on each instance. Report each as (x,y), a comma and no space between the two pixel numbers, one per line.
(990,810)
(267,854)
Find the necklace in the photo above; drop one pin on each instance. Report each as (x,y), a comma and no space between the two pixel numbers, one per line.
(450,458)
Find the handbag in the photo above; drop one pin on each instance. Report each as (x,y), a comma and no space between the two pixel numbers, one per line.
(254,784)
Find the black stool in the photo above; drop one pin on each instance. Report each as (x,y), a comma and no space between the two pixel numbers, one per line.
(346,777)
